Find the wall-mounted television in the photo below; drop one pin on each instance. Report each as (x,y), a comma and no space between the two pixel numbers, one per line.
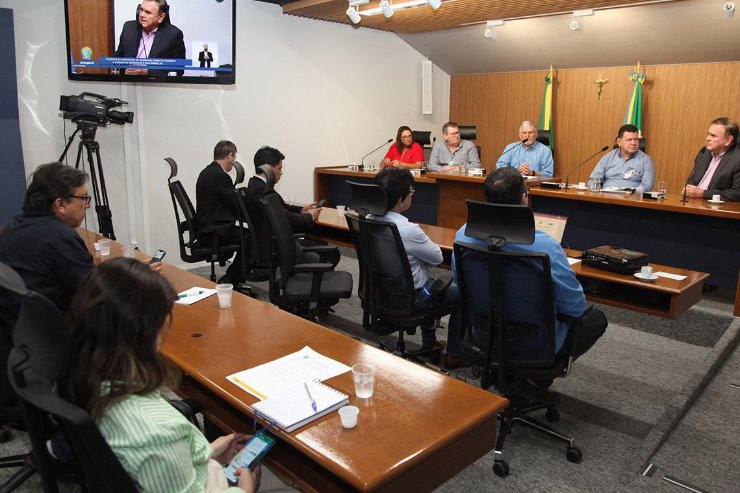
(181,41)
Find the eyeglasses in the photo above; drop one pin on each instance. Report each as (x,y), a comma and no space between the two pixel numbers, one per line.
(86,198)
(407,136)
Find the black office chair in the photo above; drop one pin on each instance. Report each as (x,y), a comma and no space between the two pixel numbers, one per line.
(239,169)
(191,249)
(543,137)
(386,283)
(425,140)
(469,132)
(250,252)
(510,335)
(304,289)
(39,357)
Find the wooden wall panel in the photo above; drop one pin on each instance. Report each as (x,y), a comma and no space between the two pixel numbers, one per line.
(679,101)
(91,24)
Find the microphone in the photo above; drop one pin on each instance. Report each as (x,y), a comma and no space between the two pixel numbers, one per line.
(524,141)
(567,177)
(362,162)
(683,195)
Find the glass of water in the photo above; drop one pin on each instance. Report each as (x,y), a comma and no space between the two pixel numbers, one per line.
(364,378)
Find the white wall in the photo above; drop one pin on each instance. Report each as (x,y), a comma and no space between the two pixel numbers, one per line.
(322,93)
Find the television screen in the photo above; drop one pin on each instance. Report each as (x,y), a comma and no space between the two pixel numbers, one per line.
(183,41)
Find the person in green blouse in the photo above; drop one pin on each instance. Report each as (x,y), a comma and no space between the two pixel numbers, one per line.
(118,319)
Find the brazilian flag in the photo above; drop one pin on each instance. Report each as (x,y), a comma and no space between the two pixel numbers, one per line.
(546,110)
(634,106)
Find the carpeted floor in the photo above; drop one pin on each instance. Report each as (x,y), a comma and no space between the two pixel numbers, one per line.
(645,394)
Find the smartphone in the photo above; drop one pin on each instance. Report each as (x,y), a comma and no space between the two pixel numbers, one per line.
(158,256)
(253,451)
(321,203)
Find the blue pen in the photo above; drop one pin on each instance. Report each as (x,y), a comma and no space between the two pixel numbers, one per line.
(313,402)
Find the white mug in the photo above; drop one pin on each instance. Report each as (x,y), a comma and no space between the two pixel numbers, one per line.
(646,271)
(716,198)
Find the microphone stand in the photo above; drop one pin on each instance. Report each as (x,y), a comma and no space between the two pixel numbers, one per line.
(567,177)
(684,199)
(362,162)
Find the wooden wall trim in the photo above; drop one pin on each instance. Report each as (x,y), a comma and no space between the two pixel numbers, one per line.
(679,101)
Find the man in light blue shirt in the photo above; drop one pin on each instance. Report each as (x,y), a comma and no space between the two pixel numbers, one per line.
(421,252)
(530,157)
(627,166)
(454,154)
(506,186)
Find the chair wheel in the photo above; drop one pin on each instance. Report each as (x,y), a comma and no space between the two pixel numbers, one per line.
(501,468)
(552,415)
(574,455)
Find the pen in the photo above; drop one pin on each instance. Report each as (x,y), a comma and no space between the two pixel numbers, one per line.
(313,402)
(185,295)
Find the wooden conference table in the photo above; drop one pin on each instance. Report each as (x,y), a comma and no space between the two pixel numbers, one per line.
(418,430)
(663,297)
(698,235)
(439,198)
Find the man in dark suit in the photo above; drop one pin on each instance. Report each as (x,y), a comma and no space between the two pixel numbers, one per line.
(216,209)
(151,36)
(717,166)
(205,57)
(301,219)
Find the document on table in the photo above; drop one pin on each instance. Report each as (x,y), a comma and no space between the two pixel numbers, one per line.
(668,275)
(190,296)
(285,374)
(573,261)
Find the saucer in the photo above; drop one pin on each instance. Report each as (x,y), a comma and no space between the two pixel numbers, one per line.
(646,278)
(716,201)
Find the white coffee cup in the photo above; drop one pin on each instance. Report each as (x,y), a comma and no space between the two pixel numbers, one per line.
(581,184)
(348,416)
(646,271)
(416,172)
(716,198)
(224,292)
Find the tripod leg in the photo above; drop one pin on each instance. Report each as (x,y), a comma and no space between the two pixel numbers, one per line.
(106,212)
(105,223)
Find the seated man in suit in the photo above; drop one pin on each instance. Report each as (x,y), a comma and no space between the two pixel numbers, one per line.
(530,157)
(41,243)
(626,166)
(150,36)
(216,210)
(301,219)
(717,172)
(422,252)
(506,186)
(454,153)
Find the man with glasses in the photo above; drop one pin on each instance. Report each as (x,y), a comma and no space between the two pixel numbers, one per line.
(41,243)
(422,252)
(454,154)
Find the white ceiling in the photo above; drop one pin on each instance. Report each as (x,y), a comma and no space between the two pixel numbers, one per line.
(690,31)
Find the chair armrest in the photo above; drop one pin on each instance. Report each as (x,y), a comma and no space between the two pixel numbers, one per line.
(317,267)
(320,249)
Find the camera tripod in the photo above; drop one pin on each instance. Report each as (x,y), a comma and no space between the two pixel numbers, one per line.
(100,193)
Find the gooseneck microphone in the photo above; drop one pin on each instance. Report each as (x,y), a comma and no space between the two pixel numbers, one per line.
(518,144)
(567,177)
(685,186)
(362,162)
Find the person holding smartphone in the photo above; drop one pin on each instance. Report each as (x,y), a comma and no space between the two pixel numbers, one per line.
(118,319)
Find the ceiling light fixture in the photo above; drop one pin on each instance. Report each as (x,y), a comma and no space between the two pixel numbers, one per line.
(435,4)
(386,8)
(353,15)
(490,32)
(576,24)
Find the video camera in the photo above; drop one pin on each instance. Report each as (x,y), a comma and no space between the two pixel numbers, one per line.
(94,108)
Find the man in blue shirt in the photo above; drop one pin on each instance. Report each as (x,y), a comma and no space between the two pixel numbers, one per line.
(627,166)
(530,157)
(506,186)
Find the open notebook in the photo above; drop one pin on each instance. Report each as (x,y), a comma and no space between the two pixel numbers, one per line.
(293,409)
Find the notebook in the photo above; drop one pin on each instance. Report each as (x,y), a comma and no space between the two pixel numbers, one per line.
(293,409)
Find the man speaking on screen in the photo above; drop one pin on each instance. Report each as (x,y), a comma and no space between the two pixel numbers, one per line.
(150,36)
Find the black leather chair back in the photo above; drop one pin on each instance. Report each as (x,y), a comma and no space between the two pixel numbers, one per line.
(239,173)
(246,220)
(468,132)
(367,198)
(40,356)
(423,138)
(543,137)
(282,241)
(499,224)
